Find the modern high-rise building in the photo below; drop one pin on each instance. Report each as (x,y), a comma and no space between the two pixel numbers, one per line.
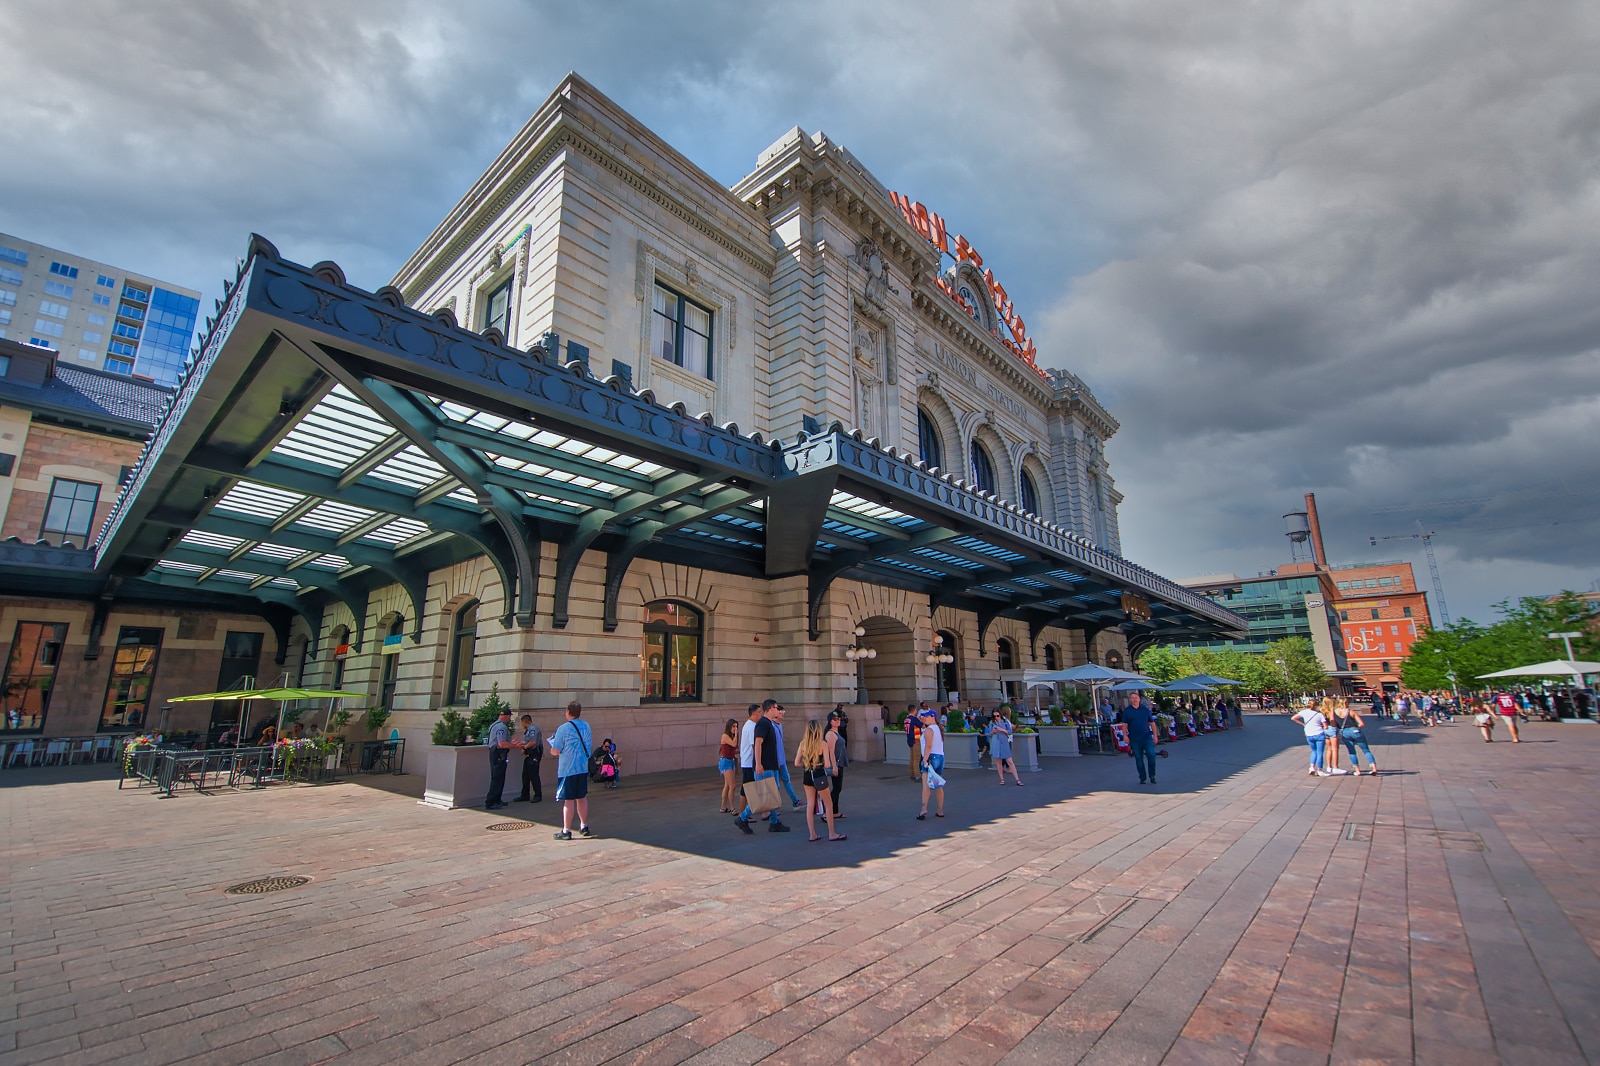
(92,314)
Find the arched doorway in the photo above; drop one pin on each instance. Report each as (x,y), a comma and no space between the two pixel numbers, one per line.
(890,676)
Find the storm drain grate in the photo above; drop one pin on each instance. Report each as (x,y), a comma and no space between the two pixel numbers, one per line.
(508,827)
(262,885)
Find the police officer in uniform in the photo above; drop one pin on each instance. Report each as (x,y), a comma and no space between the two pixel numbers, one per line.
(532,752)
(499,754)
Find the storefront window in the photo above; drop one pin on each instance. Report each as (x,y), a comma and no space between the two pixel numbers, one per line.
(30,674)
(463,640)
(670,666)
(133,672)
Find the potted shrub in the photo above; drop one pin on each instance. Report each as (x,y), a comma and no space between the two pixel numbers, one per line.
(458,765)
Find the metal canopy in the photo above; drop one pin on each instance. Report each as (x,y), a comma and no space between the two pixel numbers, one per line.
(328,442)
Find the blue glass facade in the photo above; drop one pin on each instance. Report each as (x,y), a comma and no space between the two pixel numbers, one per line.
(168,331)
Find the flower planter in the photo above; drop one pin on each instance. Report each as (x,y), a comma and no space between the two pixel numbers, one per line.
(961,751)
(1058,740)
(457,777)
(1025,752)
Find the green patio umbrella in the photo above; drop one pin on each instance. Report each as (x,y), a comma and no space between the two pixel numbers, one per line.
(282,695)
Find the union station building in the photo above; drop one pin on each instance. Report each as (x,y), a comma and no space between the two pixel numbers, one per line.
(614,433)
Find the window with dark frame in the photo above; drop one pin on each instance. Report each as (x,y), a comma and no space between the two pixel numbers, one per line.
(680,331)
(497,309)
(133,672)
(30,675)
(982,468)
(670,668)
(70,511)
(391,668)
(463,643)
(1052,660)
(928,443)
(1028,493)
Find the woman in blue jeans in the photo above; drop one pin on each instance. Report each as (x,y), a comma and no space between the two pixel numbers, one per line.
(1315,724)
(1350,726)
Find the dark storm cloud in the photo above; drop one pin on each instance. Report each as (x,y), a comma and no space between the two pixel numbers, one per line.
(1348,248)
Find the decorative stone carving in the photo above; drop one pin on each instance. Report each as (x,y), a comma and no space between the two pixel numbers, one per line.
(876,289)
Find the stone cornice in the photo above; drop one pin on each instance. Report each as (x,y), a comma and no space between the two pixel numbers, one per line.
(577,116)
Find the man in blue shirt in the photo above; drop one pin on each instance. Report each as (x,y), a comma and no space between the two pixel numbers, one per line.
(1136,716)
(571,744)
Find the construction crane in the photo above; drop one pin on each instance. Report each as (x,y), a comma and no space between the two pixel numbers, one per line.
(1433,567)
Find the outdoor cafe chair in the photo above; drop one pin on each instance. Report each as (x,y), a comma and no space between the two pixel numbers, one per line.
(22,749)
(84,748)
(55,751)
(102,748)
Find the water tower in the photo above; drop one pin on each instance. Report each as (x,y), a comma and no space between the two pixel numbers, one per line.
(1299,534)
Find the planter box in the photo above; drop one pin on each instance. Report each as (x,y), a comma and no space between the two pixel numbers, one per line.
(1058,740)
(1025,752)
(960,752)
(457,777)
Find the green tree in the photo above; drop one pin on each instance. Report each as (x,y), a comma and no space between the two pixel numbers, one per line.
(489,713)
(1161,664)
(1520,638)
(1299,662)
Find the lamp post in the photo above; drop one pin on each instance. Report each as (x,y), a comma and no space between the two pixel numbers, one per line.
(938,658)
(1450,672)
(1287,683)
(859,653)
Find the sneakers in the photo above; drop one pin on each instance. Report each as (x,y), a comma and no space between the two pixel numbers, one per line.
(563,835)
(583,831)
(777,827)
(797,805)
(744,826)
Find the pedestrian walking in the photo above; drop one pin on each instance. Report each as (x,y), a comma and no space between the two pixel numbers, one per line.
(783,766)
(1316,727)
(834,737)
(747,744)
(572,745)
(1351,728)
(814,759)
(767,756)
(1484,721)
(1507,706)
(1141,741)
(728,764)
(499,744)
(913,737)
(999,732)
(932,750)
(532,752)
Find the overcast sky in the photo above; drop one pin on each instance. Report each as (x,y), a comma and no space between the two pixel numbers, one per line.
(1352,248)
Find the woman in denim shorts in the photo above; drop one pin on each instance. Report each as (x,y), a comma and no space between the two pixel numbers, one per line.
(728,765)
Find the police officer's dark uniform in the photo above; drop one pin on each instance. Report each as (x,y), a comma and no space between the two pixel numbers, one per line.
(532,752)
(499,755)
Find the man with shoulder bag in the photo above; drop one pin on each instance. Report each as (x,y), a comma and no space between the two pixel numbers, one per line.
(761,793)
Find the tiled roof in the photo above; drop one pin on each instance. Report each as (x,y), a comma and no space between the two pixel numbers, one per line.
(94,394)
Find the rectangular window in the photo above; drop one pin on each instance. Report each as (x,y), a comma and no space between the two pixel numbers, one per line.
(1394,631)
(137,295)
(497,309)
(129,311)
(241,662)
(31,674)
(88,354)
(13,255)
(105,282)
(1374,612)
(7,298)
(56,288)
(54,310)
(48,328)
(62,270)
(91,337)
(1344,616)
(1343,585)
(101,300)
(120,348)
(119,365)
(40,342)
(680,331)
(5,365)
(9,276)
(70,511)
(96,320)
(5,316)
(122,329)
(1408,612)
(133,672)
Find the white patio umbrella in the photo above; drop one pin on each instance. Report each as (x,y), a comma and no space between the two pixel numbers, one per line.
(1094,676)
(1568,668)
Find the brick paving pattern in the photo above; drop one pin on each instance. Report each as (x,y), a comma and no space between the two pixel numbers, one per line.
(1237,912)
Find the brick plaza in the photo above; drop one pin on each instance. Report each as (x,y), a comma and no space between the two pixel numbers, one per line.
(1237,912)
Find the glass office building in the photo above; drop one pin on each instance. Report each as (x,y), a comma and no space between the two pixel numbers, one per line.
(168,330)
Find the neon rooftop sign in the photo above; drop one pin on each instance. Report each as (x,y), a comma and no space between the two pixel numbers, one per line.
(932,226)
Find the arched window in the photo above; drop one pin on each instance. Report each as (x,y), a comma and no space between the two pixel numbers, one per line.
(982,468)
(463,642)
(341,651)
(673,653)
(1052,658)
(1006,652)
(928,440)
(1028,493)
(391,663)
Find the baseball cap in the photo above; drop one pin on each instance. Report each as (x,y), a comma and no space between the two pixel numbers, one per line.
(927,712)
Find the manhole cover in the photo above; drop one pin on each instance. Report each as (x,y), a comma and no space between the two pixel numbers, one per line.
(508,827)
(262,885)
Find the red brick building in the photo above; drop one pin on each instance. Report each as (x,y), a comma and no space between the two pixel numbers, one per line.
(1381,614)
